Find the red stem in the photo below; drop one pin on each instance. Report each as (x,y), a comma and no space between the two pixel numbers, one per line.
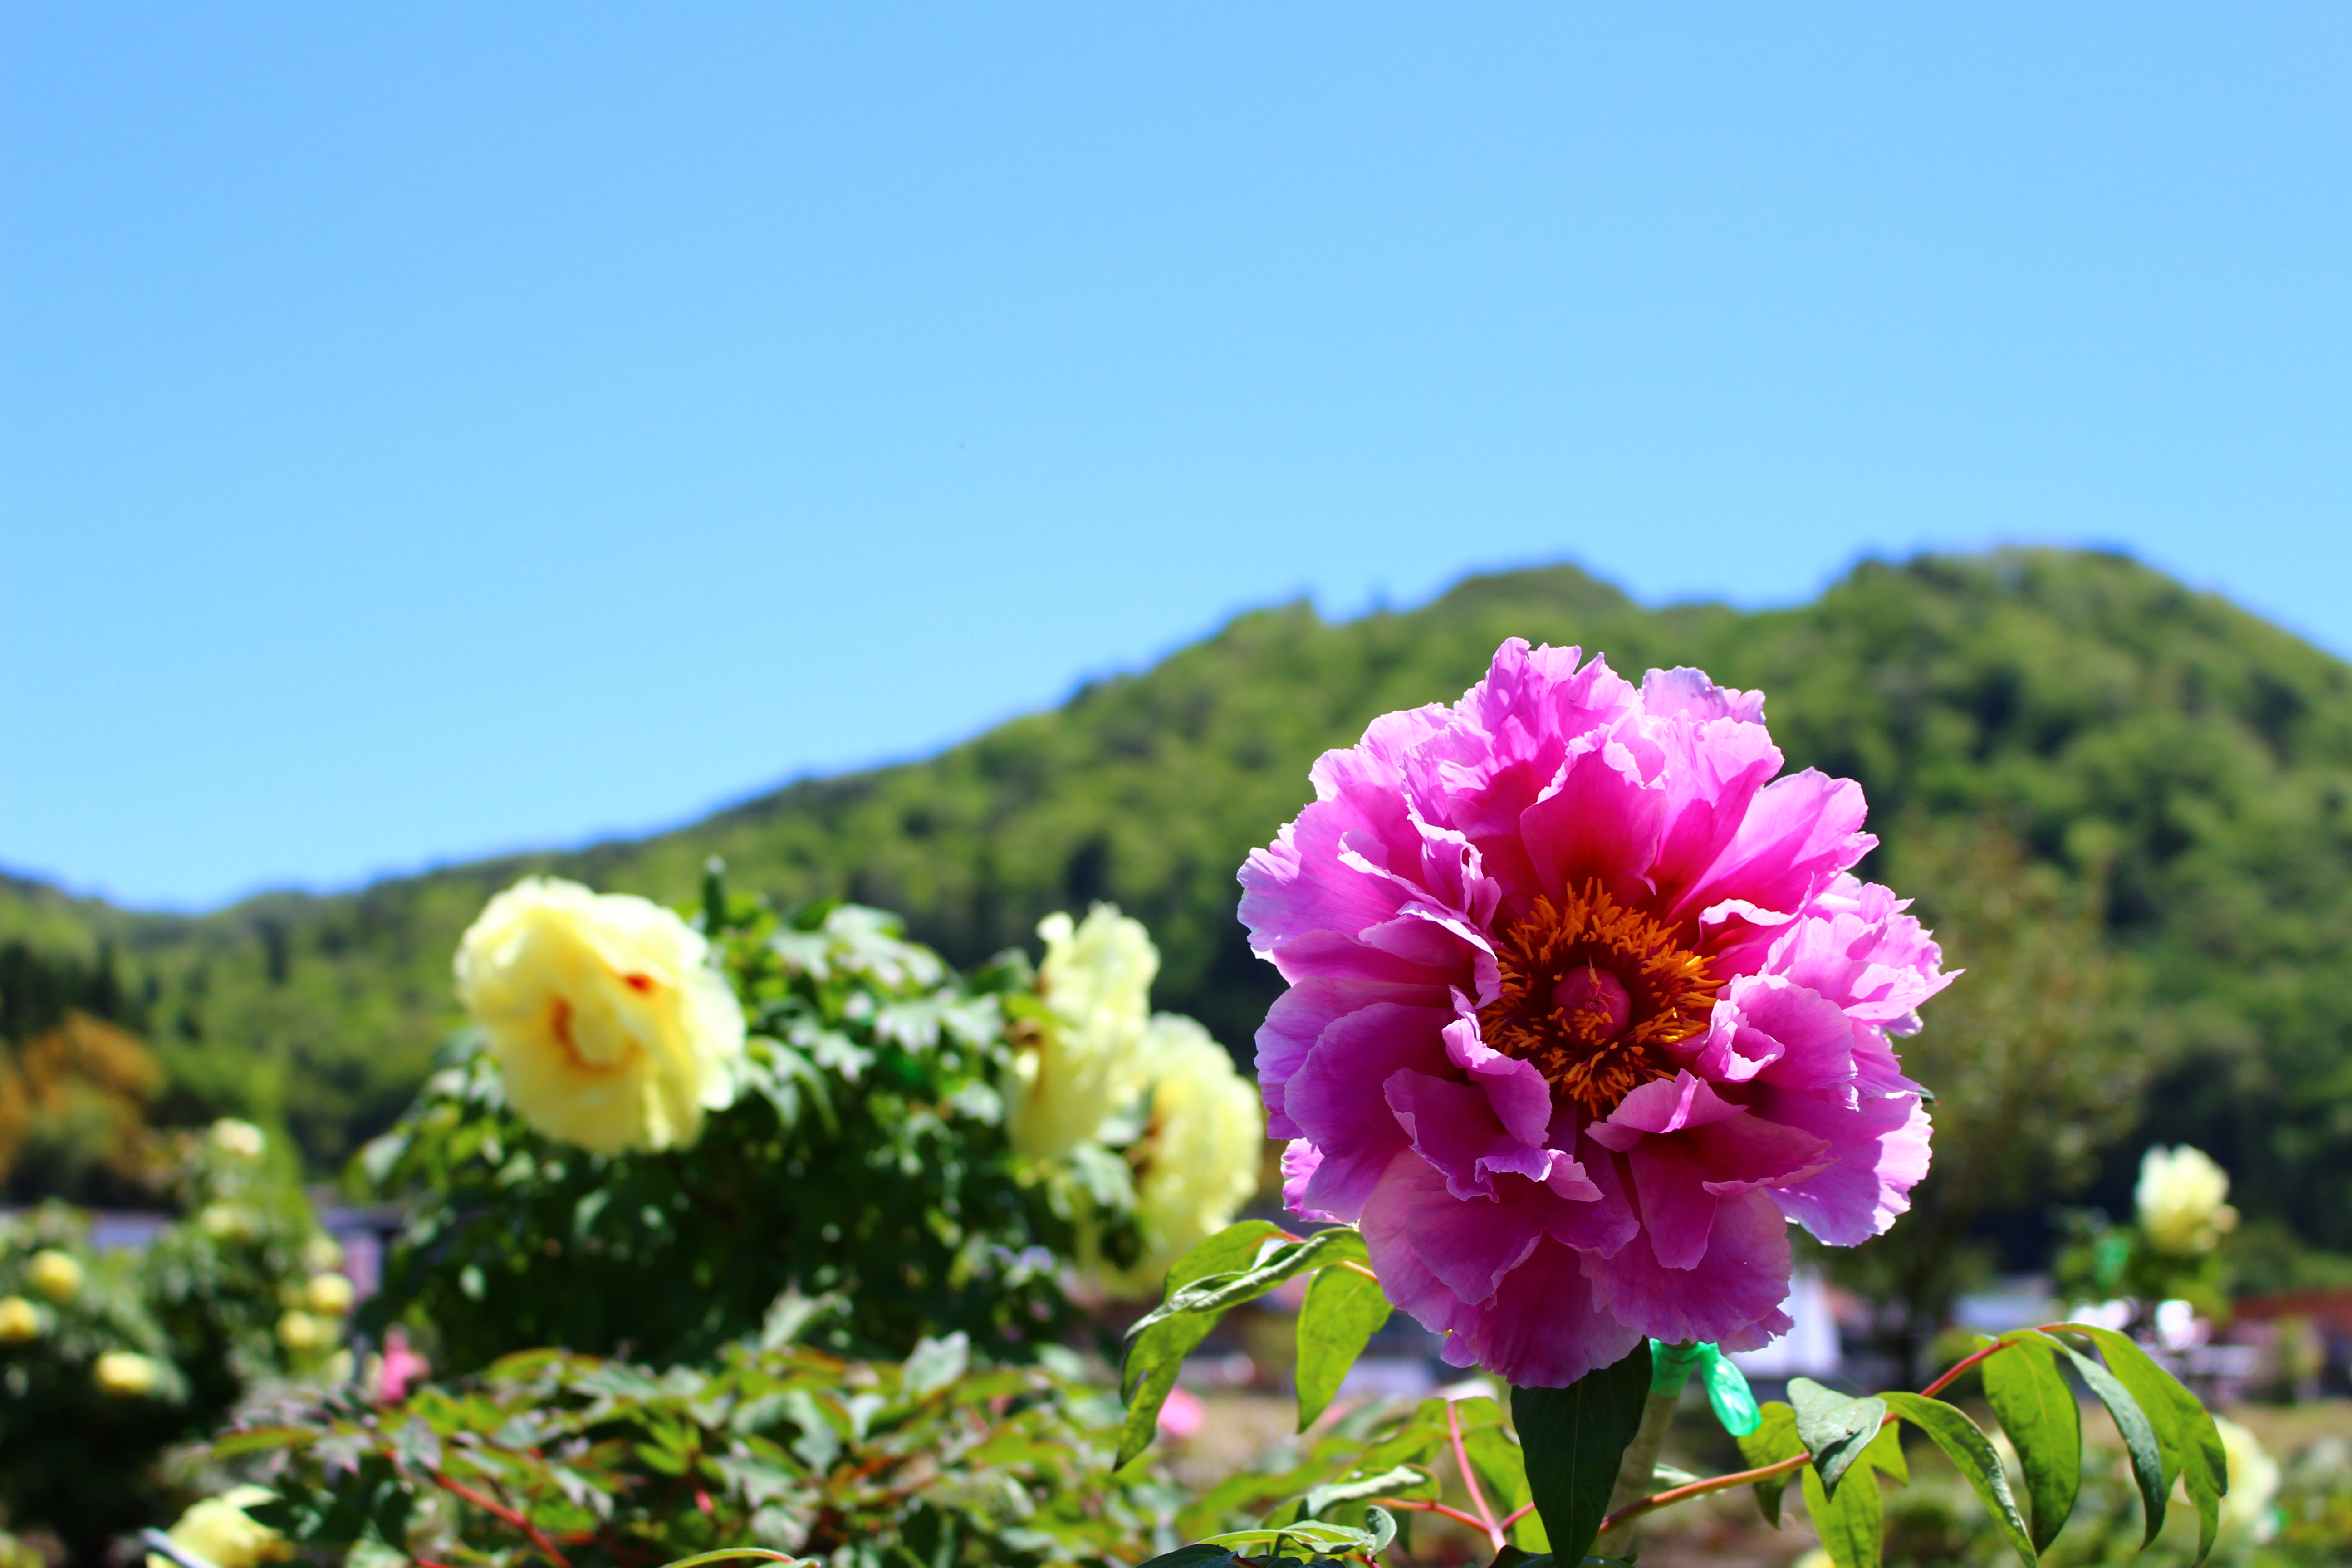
(538,1537)
(1419,1507)
(1485,1519)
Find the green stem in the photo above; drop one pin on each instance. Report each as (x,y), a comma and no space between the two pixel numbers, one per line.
(1637,1472)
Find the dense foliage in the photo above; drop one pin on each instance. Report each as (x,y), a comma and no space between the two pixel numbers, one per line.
(2185,768)
(553,1457)
(864,1159)
(107,1358)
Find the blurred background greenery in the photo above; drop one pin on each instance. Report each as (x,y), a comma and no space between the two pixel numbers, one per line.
(2128,805)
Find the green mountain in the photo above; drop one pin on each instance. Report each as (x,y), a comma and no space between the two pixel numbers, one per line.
(2182,764)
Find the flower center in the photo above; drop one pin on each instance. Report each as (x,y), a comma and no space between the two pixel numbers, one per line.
(1593,992)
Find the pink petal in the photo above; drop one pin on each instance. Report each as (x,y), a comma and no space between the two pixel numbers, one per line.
(1740,1283)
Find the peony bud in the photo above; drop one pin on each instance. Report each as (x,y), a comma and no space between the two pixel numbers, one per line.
(55,1275)
(125,1375)
(19,1321)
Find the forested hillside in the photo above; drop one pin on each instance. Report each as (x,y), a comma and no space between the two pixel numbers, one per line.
(2183,766)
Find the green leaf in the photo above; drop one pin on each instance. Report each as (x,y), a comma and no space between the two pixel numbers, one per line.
(1356,1488)
(2142,1444)
(1198,1556)
(1835,1428)
(1573,1439)
(1774,1439)
(1973,1454)
(2037,1409)
(1850,1523)
(1310,1532)
(933,1365)
(2191,1444)
(1281,1263)
(1156,1348)
(731,1552)
(1342,1311)
(1886,1454)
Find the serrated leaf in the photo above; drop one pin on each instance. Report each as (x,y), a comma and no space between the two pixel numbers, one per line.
(1774,1440)
(2191,1443)
(2142,1444)
(1973,1454)
(1157,1347)
(1850,1521)
(1835,1428)
(1573,1439)
(1342,1311)
(2044,1424)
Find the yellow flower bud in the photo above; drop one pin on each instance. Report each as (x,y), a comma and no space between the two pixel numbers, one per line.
(55,1275)
(322,1254)
(19,1321)
(228,1222)
(301,1333)
(125,1375)
(329,1294)
(611,1027)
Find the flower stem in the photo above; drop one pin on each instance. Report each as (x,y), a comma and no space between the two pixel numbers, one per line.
(1470,1476)
(1637,1472)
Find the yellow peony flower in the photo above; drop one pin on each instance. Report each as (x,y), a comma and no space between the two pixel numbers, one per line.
(2179,1197)
(327,1294)
(242,1139)
(19,1321)
(55,1275)
(219,1530)
(612,1030)
(1199,1157)
(322,1254)
(228,1222)
(125,1375)
(301,1333)
(1096,984)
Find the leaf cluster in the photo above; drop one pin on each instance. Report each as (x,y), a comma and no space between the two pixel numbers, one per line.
(1843,1442)
(548,1457)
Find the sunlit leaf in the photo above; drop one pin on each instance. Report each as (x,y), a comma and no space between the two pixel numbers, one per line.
(1973,1454)
(2044,1424)
(1851,1522)
(1343,1310)
(1835,1428)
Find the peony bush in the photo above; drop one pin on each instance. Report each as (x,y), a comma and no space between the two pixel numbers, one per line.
(106,1360)
(656,1138)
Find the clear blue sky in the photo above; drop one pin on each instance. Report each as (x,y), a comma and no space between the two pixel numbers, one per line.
(435,428)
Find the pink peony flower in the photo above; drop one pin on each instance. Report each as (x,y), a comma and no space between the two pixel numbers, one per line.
(1584,1007)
